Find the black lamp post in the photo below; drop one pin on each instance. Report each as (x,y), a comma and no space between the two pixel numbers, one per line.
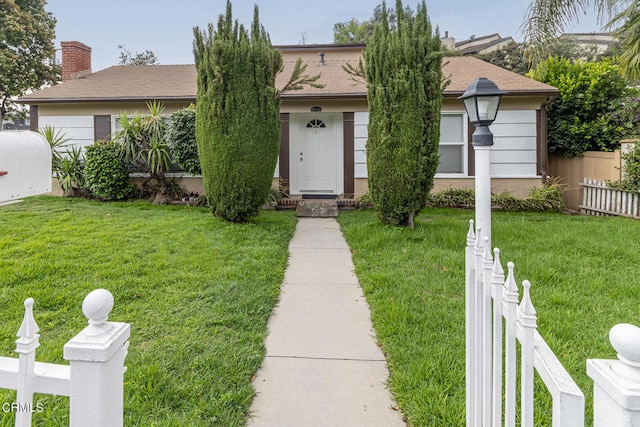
(482,100)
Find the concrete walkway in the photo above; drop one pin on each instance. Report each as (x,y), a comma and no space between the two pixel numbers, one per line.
(323,367)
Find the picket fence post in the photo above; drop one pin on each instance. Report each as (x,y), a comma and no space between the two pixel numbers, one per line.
(616,392)
(26,345)
(96,360)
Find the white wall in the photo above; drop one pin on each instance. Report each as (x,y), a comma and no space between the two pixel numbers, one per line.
(514,149)
(78,128)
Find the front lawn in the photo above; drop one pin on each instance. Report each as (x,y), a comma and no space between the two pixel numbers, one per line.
(584,273)
(196,290)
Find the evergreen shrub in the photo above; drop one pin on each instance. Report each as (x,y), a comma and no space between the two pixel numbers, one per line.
(238,115)
(404,80)
(181,136)
(106,174)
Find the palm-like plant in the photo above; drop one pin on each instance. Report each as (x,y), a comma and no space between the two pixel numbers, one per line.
(57,141)
(143,143)
(546,19)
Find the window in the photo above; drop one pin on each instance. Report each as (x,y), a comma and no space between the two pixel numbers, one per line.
(316,123)
(453,145)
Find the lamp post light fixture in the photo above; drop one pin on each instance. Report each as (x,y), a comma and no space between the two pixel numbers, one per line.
(482,100)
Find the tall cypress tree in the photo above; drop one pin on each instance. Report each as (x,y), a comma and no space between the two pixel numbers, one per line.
(404,78)
(237,115)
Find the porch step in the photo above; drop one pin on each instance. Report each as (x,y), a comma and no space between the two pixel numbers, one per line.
(317,208)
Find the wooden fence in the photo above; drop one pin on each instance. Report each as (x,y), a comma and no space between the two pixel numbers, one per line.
(599,199)
(93,380)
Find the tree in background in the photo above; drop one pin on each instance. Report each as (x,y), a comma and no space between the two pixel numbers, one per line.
(238,114)
(139,58)
(510,57)
(27,32)
(547,18)
(354,31)
(404,79)
(513,56)
(584,116)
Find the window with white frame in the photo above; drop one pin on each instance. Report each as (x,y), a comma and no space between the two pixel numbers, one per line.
(452,149)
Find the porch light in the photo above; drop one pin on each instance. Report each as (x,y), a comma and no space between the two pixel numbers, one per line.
(482,100)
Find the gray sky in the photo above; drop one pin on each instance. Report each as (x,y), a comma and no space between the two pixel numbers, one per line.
(166,27)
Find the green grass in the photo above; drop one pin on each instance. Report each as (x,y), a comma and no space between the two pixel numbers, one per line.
(196,290)
(584,273)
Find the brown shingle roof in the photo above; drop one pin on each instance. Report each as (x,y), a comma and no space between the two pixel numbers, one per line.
(463,70)
(124,83)
(178,82)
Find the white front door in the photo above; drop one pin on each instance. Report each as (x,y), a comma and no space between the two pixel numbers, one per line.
(315,144)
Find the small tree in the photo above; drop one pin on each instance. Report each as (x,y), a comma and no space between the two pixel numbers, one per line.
(238,114)
(27,31)
(139,58)
(404,76)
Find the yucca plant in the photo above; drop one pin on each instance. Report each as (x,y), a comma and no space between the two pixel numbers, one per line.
(57,141)
(144,145)
(69,172)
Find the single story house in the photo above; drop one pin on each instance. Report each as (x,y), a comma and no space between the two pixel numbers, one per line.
(324,131)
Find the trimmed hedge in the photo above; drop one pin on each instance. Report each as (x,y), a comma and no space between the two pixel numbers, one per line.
(238,115)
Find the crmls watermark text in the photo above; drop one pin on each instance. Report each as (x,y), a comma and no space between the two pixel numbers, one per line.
(22,407)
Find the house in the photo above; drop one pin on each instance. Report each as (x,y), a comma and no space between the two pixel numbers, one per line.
(324,131)
(598,42)
(479,45)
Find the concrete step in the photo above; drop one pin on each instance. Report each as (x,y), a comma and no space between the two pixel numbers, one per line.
(322,208)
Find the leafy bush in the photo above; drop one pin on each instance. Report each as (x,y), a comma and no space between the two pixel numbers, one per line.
(541,199)
(631,168)
(627,115)
(106,174)
(581,118)
(181,135)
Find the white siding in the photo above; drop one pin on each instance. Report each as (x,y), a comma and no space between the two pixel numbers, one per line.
(514,150)
(513,155)
(78,128)
(361,121)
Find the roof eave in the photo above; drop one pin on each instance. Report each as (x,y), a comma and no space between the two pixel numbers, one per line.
(118,99)
(362,95)
(510,93)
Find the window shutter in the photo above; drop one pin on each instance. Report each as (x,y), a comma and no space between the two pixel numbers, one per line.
(101,127)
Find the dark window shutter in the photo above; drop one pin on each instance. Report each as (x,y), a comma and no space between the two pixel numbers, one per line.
(33,118)
(101,127)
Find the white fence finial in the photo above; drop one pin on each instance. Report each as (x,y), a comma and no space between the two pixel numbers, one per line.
(497,266)
(510,284)
(471,234)
(29,327)
(625,339)
(526,306)
(96,307)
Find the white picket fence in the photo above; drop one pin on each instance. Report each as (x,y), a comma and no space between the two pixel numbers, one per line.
(498,321)
(93,380)
(599,199)
(490,299)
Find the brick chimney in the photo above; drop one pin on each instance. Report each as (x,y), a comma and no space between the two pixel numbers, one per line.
(76,60)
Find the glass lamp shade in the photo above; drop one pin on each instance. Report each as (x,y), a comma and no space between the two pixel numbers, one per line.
(482,101)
